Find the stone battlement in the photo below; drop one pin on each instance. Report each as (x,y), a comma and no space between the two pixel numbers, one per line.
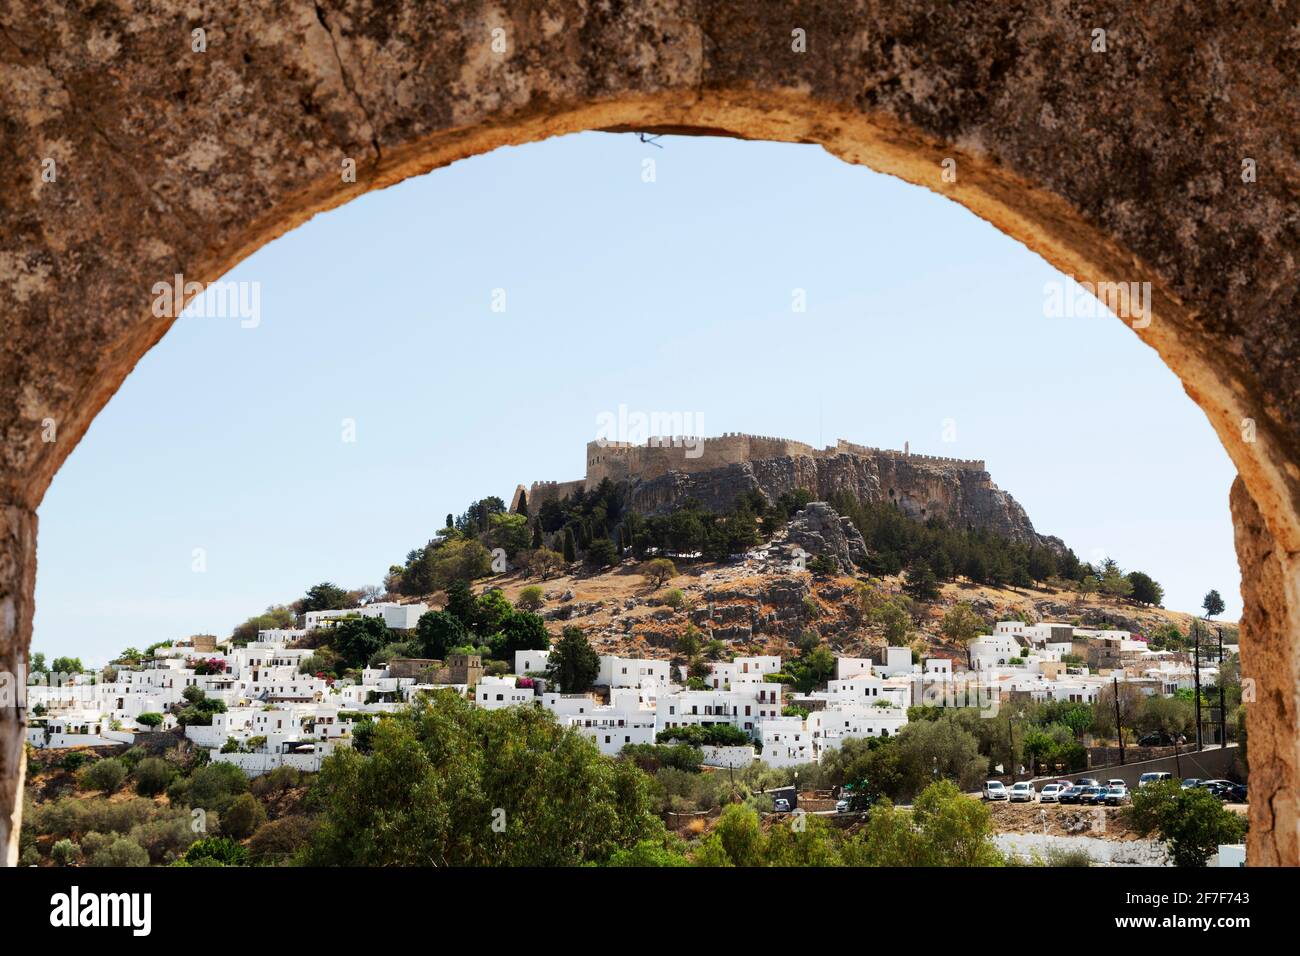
(688,454)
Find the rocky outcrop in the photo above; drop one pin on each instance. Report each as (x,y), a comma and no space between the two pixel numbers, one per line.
(819,530)
(921,489)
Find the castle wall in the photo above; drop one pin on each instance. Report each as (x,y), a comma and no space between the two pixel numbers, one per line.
(621,461)
(659,456)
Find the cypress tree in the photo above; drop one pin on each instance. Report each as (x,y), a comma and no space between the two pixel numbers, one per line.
(570,548)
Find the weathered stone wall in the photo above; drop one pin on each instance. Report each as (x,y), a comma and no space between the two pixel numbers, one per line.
(660,456)
(1169,158)
(921,488)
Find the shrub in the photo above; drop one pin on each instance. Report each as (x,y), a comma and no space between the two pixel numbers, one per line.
(674,599)
(106,775)
(602,553)
(277,841)
(216,851)
(166,838)
(276,782)
(719,735)
(1191,823)
(75,760)
(658,571)
(152,775)
(150,720)
(65,852)
(212,787)
(121,852)
(530,598)
(242,817)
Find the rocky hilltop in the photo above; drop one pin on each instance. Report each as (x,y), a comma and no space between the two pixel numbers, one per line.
(921,488)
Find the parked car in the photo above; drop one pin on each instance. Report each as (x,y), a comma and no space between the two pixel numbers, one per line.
(1149,778)
(1021,792)
(1116,796)
(841,806)
(1051,793)
(780,805)
(994,790)
(1190,783)
(1226,790)
(1072,795)
(1114,782)
(1092,796)
(1160,739)
(1088,782)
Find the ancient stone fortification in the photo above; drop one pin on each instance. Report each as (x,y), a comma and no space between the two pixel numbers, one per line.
(620,461)
(664,472)
(1171,157)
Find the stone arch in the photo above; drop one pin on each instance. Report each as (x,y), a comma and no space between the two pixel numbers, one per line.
(1167,158)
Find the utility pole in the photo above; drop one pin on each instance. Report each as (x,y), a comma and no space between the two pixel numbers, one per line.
(1119,730)
(1223,716)
(1196,679)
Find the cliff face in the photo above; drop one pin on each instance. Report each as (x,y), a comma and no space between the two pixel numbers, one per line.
(921,489)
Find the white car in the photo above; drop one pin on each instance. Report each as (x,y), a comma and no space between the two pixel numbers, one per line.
(1021,792)
(1149,778)
(1051,793)
(994,790)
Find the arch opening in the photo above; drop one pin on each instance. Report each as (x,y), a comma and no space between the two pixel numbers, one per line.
(1265,502)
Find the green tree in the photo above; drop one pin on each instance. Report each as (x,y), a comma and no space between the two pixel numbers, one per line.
(1113,582)
(658,571)
(453,785)
(649,853)
(1213,605)
(943,828)
(544,563)
(244,815)
(325,596)
(106,775)
(896,620)
(67,665)
(356,639)
(276,616)
(212,787)
(149,719)
(1191,823)
(436,632)
(522,631)
(510,533)
(570,546)
(601,553)
(921,583)
(962,624)
(737,840)
(574,665)
(152,776)
(1145,589)
(279,840)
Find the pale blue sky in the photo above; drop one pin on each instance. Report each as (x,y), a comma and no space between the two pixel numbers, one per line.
(672,295)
